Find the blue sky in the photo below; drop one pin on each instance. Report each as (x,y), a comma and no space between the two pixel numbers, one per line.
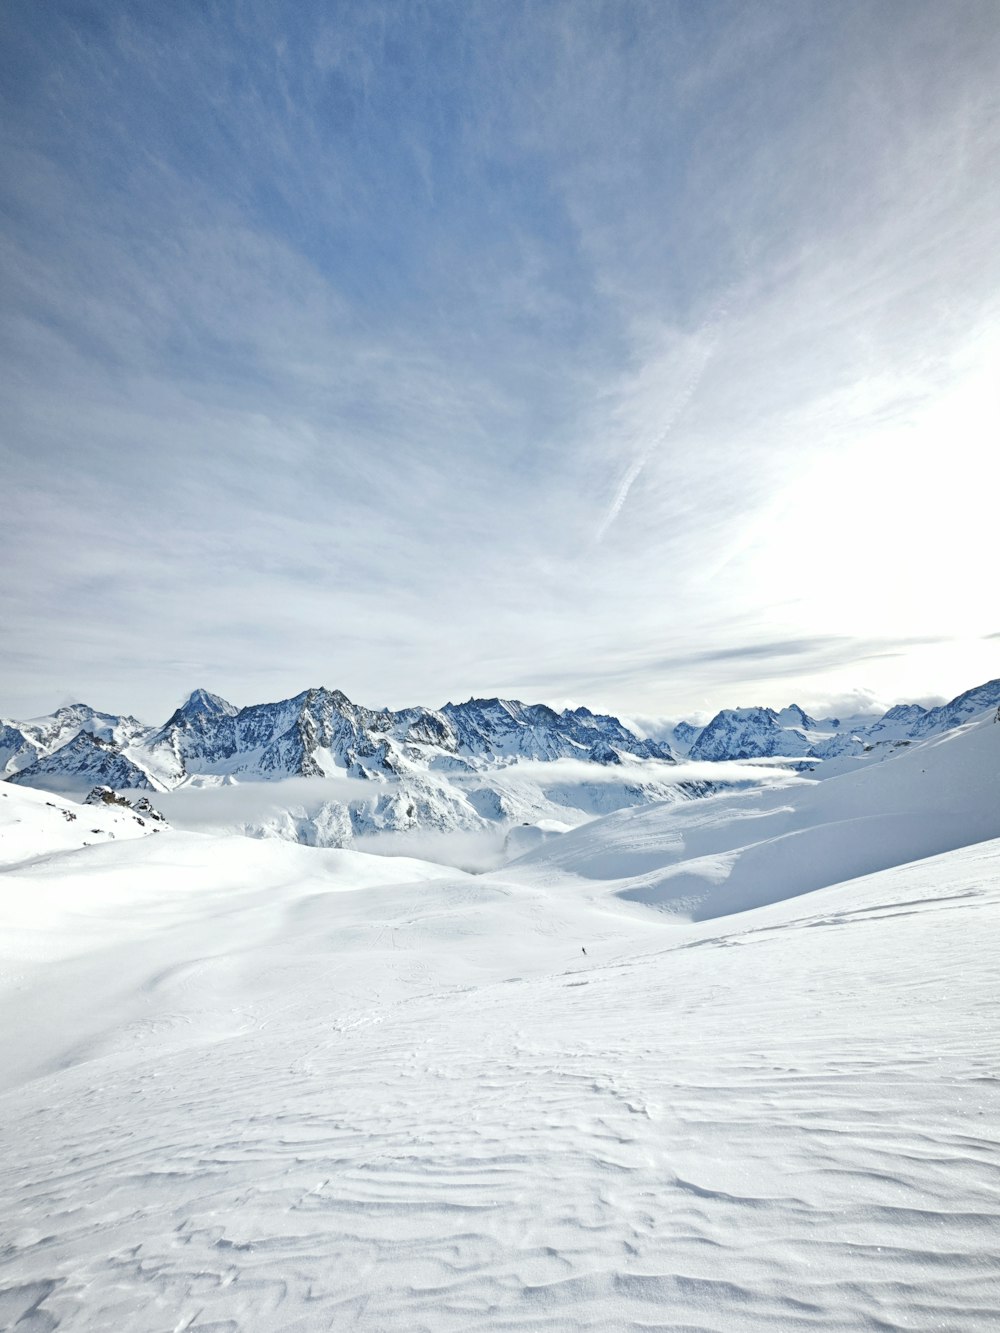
(643,355)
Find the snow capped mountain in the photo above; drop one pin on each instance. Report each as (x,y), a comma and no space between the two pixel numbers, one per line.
(85,761)
(26,747)
(16,751)
(201,729)
(959,710)
(315,733)
(759,733)
(900,715)
(318,733)
(682,737)
(751,733)
(202,703)
(457,768)
(739,850)
(793,716)
(48,734)
(505,728)
(899,723)
(438,771)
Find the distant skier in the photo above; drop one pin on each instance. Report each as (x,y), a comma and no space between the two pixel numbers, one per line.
(583,950)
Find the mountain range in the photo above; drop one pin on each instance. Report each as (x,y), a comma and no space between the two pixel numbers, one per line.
(759,733)
(456,767)
(319,732)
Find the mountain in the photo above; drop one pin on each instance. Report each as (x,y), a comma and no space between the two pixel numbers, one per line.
(50,733)
(439,771)
(751,733)
(684,736)
(901,715)
(16,751)
(794,716)
(959,710)
(320,732)
(25,747)
(85,761)
(505,729)
(316,733)
(477,766)
(762,733)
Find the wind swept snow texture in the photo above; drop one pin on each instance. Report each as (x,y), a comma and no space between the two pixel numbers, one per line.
(259,1086)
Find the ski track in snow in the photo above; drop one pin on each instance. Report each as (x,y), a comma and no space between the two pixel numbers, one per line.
(789,1120)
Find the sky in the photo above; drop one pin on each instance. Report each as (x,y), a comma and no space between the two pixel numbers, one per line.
(642,355)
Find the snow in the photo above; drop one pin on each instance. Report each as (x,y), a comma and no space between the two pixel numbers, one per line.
(335,810)
(331,773)
(735,851)
(251,1085)
(35,823)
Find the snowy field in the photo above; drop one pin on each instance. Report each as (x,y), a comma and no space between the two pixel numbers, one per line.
(250,1085)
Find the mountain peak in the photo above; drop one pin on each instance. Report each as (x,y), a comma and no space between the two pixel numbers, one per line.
(202,701)
(794,716)
(904,713)
(75,711)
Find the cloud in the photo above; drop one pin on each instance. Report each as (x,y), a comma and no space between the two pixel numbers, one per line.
(654,398)
(427,353)
(563,773)
(257,806)
(778,659)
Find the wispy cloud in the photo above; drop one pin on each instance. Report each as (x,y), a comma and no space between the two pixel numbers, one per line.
(653,400)
(438,349)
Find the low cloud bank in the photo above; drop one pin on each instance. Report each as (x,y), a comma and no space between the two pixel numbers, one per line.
(306,809)
(210,808)
(563,772)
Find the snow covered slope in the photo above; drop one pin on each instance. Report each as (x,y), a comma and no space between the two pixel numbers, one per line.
(82,763)
(35,824)
(733,851)
(258,1086)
